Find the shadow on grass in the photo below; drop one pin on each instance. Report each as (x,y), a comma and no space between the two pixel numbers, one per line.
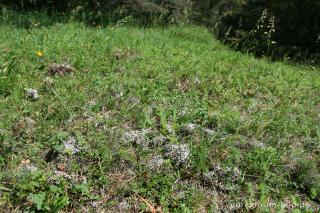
(45,18)
(30,19)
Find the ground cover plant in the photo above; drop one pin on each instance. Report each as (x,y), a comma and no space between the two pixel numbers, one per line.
(131,119)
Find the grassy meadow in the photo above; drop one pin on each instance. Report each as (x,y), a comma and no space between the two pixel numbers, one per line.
(152,120)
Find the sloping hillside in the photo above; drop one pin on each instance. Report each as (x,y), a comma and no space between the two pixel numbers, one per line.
(163,119)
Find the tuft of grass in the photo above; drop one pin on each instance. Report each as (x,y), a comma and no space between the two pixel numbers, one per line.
(110,133)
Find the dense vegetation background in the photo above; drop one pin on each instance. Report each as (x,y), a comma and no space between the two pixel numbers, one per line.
(280,29)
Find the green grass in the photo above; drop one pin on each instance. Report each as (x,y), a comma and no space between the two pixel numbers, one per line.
(264,116)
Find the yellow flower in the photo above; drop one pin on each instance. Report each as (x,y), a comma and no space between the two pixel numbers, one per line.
(39,53)
(36,25)
(94,23)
